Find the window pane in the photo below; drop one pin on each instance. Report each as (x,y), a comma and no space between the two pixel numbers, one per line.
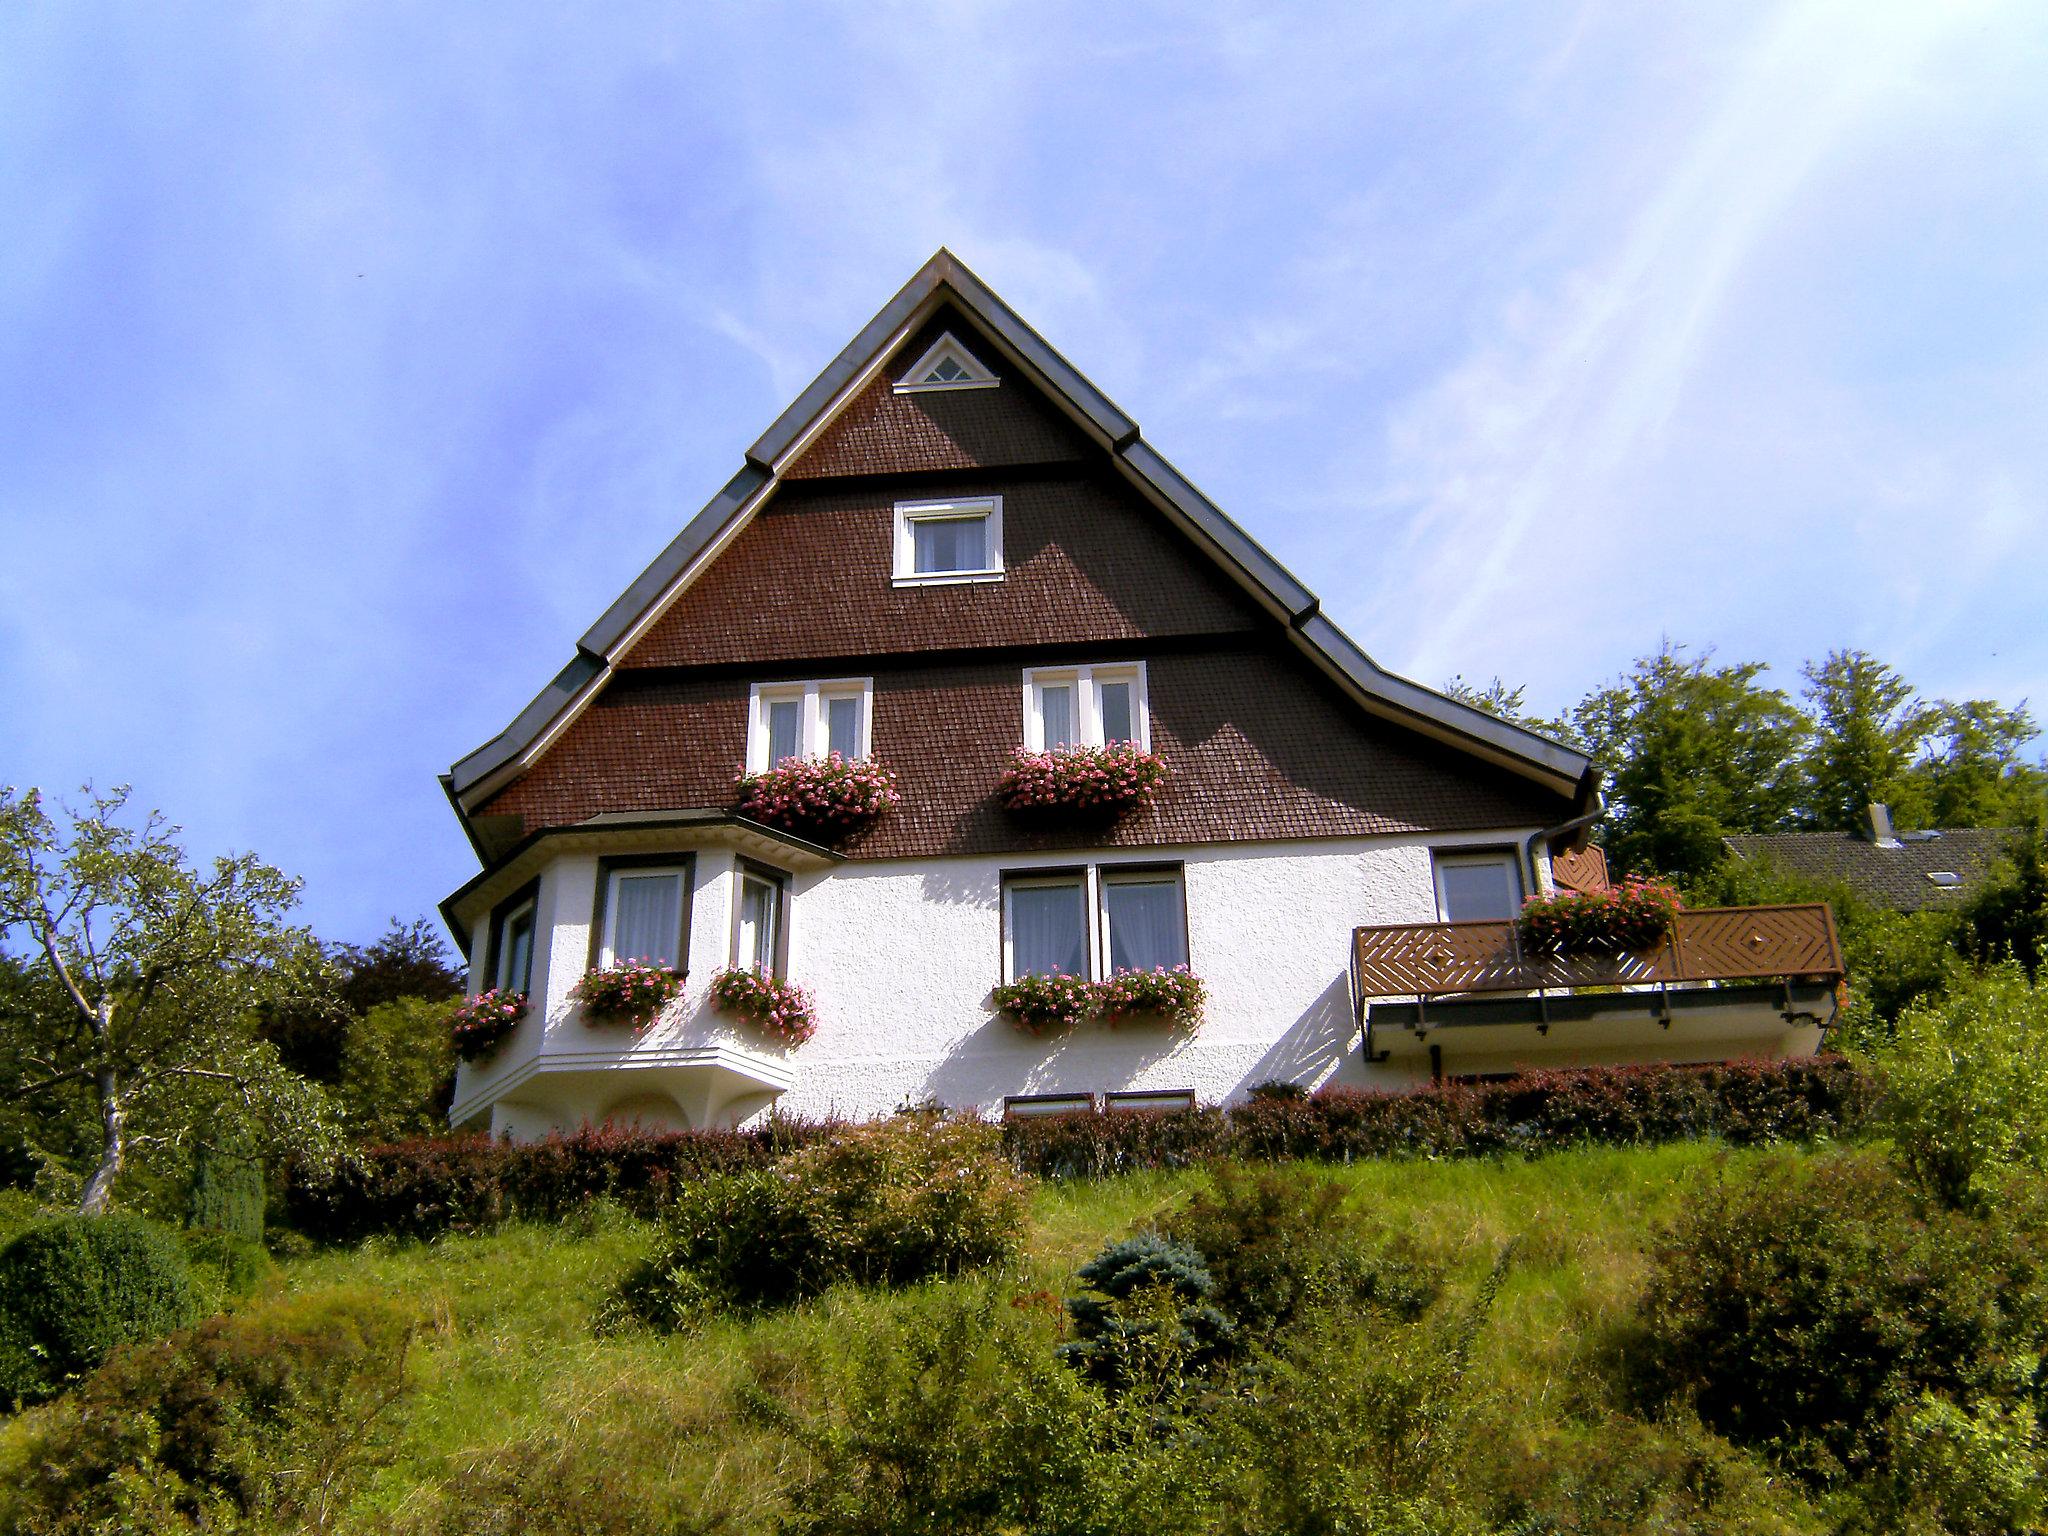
(1476,891)
(842,727)
(1116,713)
(941,544)
(1144,924)
(647,919)
(515,951)
(758,910)
(1048,930)
(1056,713)
(785,729)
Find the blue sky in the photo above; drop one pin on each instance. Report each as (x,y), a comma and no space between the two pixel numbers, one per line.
(353,357)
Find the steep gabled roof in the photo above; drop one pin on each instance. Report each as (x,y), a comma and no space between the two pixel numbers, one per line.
(945,279)
(1900,877)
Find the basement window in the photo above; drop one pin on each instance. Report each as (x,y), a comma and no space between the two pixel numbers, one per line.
(1032,1106)
(938,542)
(947,365)
(1154,1101)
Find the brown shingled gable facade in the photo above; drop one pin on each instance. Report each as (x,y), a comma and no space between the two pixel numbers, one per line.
(1259,744)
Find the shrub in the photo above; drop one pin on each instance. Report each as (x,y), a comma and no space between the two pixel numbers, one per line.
(887,1203)
(227,1193)
(1279,1241)
(478,1024)
(630,992)
(823,800)
(274,1413)
(1981,1472)
(1175,996)
(1797,1309)
(782,1008)
(1149,1317)
(1107,779)
(1041,1004)
(1633,915)
(72,1288)
(1964,1086)
(425,1187)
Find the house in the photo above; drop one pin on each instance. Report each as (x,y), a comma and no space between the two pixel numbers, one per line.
(951,547)
(1904,871)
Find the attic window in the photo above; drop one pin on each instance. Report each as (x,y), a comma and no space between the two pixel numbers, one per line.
(1947,879)
(948,365)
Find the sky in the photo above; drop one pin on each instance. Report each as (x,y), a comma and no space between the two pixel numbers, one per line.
(354,357)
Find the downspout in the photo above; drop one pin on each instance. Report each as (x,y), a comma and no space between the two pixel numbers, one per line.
(1551,834)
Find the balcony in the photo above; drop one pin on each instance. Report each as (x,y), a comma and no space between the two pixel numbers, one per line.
(1726,981)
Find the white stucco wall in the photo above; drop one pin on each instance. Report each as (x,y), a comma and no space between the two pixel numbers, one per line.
(901,956)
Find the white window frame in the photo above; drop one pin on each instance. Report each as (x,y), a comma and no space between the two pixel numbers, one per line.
(988,508)
(813,734)
(1109,875)
(1442,858)
(1028,879)
(1087,685)
(607,950)
(977,375)
(1093,879)
(782,884)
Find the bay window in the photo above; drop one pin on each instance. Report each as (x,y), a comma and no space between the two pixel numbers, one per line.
(760,920)
(643,911)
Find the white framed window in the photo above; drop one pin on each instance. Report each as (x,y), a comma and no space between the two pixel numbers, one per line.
(1144,920)
(1086,706)
(1095,921)
(1045,924)
(809,720)
(760,920)
(1484,885)
(646,914)
(946,365)
(512,954)
(949,541)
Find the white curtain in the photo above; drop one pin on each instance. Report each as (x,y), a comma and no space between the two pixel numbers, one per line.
(1144,924)
(785,729)
(1047,933)
(1056,707)
(648,924)
(758,902)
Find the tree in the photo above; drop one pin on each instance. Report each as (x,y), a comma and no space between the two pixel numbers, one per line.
(397,1071)
(1504,703)
(1868,727)
(141,980)
(311,1029)
(1690,752)
(1973,773)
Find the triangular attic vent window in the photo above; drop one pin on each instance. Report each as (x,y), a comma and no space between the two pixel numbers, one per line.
(948,365)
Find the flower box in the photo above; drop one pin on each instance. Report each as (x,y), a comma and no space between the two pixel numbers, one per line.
(780,1007)
(1039,1004)
(480,1023)
(630,992)
(1635,915)
(1174,996)
(819,799)
(1100,780)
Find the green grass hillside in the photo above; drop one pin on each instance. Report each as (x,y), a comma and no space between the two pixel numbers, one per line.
(523,1415)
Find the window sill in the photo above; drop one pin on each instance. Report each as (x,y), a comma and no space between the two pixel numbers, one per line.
(949,579)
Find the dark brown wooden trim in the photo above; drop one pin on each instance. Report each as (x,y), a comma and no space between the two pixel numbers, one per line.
(783,880)
(527,892)
(1177,868)
(1048,872)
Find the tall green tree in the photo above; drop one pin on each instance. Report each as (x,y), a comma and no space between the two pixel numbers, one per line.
(1974,773)
(1691,752)
(1868,729)
(142,977)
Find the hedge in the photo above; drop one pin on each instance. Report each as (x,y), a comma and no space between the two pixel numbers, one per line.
(421,1188)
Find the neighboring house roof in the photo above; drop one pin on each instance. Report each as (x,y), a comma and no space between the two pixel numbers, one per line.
(944,279)
(1901,877)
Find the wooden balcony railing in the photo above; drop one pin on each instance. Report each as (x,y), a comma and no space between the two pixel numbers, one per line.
(1422,960)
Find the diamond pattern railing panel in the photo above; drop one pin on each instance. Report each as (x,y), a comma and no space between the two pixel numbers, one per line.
(1706,944)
